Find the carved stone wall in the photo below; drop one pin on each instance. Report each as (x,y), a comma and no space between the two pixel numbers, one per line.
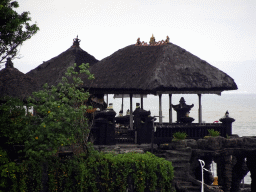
(235,157)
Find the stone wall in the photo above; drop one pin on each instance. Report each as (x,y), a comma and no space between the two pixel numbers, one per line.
(235,157)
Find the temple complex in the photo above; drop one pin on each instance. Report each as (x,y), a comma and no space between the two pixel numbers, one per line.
(159,68)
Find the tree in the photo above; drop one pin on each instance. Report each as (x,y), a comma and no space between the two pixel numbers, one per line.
(14,29)
(60,117)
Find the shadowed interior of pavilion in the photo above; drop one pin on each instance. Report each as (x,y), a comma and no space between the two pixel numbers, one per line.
(159,68)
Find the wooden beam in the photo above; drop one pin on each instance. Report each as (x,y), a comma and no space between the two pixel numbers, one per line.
(170,108)
(141,101)
(122,106)
(160,108)
(131,116)
(200,108)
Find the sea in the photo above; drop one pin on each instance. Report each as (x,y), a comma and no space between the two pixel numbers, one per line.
(241,107)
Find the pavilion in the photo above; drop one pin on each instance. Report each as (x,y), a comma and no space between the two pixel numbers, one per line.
(157,68)
(16,84)
(53,70)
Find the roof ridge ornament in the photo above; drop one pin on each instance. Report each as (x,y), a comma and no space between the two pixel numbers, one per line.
(76,42)
(9,63)
(152,42)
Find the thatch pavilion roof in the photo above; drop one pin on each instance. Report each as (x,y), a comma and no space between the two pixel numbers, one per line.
(165,68)
(53,70)
(15,83)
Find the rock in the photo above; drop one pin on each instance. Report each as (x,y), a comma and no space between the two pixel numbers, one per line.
(249,142)
(178,144)
(202,143)
(231,143)
(192,143)
(215,143)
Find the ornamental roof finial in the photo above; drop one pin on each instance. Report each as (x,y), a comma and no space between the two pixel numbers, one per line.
(76,42)
(152,40)
(138,42)
(9,63)
(167,39)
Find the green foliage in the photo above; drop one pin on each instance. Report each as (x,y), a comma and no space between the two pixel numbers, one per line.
(60,117)
(99,172)
(213,133)
(11,178)
(14,29)
(115,172)
(60,120)
(12,121)
(179,136)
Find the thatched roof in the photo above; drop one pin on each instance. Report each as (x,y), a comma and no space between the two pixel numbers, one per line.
(15,83)
(157,69)
(53,70)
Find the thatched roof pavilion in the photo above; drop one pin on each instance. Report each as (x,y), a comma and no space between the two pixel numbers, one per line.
(159,68)
(15,83)
(53,70)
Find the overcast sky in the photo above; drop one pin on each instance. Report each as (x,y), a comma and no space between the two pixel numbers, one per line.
(222,32)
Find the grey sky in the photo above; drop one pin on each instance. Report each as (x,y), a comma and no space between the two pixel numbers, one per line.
(222,32)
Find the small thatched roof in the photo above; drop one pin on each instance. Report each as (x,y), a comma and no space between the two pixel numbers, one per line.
(165,68)
(53,70)
(15,83)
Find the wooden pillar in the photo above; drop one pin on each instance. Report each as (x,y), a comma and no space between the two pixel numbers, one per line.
(26,109)
(107,100)
(200,108)
(160,108)
(131,117)
(122,106)
(141,101)
(170,108)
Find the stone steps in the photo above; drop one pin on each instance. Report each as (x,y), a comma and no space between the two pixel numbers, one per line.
(180,159)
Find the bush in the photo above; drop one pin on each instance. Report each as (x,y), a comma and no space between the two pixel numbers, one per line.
(11,174)
(213,133)
(179,136)
(12,121)
(99,172)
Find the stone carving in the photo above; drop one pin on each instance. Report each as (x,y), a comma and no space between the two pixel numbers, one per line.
(76,42)
(182,110)
(152,42)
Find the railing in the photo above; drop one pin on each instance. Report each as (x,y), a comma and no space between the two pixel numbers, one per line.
(164,132)
(108,130)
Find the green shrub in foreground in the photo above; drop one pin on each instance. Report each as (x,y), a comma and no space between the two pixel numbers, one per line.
(110,172)
(99,172)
